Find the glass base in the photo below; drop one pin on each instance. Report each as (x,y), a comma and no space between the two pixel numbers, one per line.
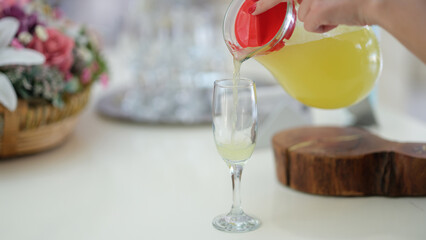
(236,223)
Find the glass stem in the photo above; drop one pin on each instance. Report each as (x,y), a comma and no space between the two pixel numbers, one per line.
(236,170)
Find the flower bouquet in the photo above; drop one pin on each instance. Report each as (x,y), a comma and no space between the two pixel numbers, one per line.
(47,65)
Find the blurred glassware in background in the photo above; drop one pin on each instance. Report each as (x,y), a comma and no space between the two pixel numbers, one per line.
(177,54)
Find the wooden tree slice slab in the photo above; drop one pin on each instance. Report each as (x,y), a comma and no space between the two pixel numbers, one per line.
(349,162)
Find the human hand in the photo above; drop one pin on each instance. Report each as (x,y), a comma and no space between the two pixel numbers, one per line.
(323,15)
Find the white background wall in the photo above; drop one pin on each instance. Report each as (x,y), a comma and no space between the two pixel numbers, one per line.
(403,81)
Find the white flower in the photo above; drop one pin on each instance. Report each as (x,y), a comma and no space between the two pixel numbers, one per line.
(25,37)
(85,54)
(10,56)
(41,33)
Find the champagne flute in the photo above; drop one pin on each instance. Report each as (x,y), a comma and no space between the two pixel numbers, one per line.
(234,130)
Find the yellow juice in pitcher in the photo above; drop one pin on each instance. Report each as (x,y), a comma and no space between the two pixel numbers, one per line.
(331,70)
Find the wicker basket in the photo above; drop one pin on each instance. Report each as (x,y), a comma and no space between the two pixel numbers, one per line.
(31,129)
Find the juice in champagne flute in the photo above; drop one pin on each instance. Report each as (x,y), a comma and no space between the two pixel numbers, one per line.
(235,151)
(234,130)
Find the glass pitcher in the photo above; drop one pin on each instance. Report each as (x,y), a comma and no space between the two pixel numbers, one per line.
(330,70)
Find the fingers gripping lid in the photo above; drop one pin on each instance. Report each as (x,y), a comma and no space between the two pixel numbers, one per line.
(255,31)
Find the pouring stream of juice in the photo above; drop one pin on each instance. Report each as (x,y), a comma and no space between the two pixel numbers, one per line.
(240,147)
(235,78)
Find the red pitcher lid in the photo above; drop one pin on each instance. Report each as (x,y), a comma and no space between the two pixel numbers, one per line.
(256,31)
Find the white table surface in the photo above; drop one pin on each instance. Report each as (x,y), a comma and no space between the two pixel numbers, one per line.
(124,181)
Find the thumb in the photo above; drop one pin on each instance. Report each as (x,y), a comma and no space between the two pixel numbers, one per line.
(262,6)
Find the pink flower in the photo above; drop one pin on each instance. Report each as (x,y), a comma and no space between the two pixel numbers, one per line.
(104,79)
(57,49)
(16,44)
(86,76)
